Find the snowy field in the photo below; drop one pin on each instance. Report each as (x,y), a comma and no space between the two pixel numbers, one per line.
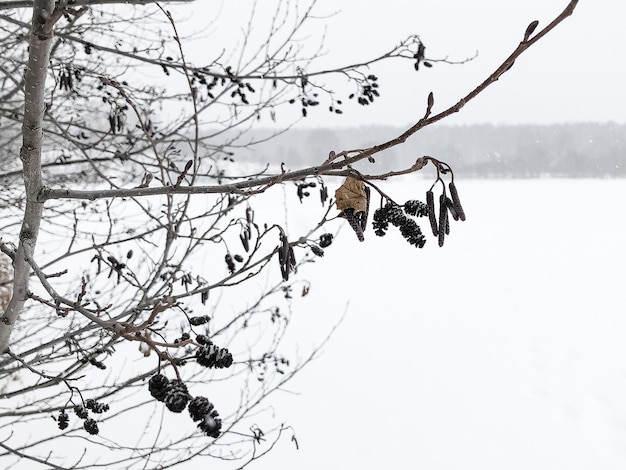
(506,349)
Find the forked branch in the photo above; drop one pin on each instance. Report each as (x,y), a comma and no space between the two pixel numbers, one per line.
(330,166)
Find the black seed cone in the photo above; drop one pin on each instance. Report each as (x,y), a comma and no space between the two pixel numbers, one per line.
(230,263)
(201,320)
(96,407)
(81,411)
(202,410)
(199,407)
(416,208)
(326,239)
(177,396)
(211,425)
(63,420)
(390,213)
(212,356)
(317,250)
(158,385)
(91,426)
(412,233)
(380,224)
(395,215)
(203,339)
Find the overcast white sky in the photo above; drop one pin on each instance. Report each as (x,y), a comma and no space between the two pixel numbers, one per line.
(575,74)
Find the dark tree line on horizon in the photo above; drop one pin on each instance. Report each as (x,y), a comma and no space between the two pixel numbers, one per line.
(570,150)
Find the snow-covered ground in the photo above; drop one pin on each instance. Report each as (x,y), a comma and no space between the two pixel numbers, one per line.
(504,349)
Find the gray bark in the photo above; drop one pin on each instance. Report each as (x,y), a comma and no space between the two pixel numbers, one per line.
(40,43)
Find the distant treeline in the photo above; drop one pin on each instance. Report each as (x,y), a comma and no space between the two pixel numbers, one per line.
(521,151)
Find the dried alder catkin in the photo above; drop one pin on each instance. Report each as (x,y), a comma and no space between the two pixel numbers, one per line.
(456,201)
(443,219)
(452,209)
(355,221)
(430,202)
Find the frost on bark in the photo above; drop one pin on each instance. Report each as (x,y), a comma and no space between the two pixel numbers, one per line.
(40,43)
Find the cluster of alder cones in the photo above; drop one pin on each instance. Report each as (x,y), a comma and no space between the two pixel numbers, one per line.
(353,200)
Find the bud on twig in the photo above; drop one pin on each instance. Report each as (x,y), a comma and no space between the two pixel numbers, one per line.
(431,102)
(531,29)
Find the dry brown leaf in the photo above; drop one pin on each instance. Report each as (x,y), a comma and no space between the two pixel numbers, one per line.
(351,194)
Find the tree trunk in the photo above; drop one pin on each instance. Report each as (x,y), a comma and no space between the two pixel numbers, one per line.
(40,43)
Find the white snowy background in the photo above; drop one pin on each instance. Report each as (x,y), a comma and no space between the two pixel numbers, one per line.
(504,349)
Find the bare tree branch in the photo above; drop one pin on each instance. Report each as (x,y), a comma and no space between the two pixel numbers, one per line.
(329,167)
(12,4)
(139,291)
